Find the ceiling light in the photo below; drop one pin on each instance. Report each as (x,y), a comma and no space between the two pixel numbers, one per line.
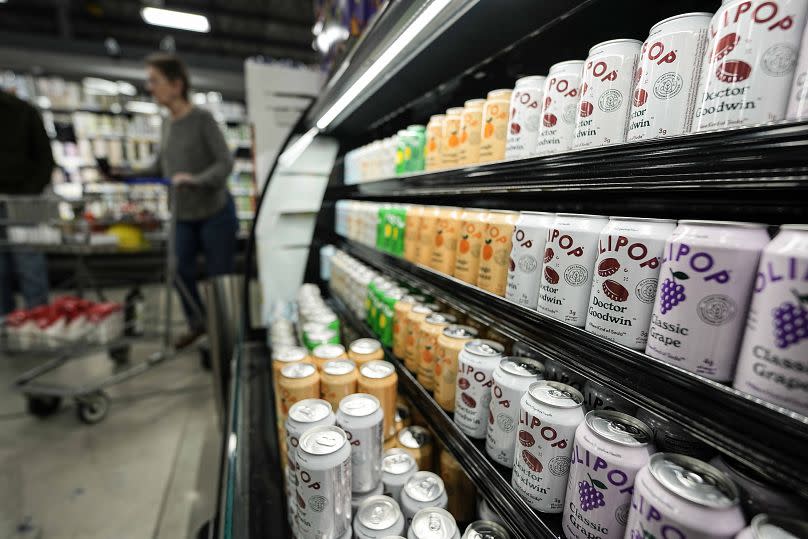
(180,20)
(294,151)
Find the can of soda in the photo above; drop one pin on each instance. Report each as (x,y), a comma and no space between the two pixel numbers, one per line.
(427,342)
(433,523)
(773,526)
(378,517)
(527,252)
(426,236)
(417,441)
(397,468)
(324,353)
(671,438)
(281,358)
(379,378)
(337,380)
(485,529)
(525,115)
(512,378)
(562,92)
(358,498)
(598,397)
(304,415)
(361,417)
(423,490)
(470,126)
(450,139)
(798,102)
(496,250)
(470,244)
(494,126)
(460,490)
(449,345)
(550,413)
(315,338)
(400,311)
(444,244)
(298,381)
(412,229)
(415,317)
(363,350)
(434,136)
(475,370)
(416,141)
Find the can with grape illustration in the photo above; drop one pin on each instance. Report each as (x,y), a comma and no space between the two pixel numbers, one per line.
(798,99)
(624,282)
(494,127)
(444,242)
(469,244)
(569,259)
(475,370)
(773,362)
(610,448)
(450,139)
(749,64)
(496,250)
(606,93)
(683,497)
(527,253)
(705,284)
(549,414)
(470,131)
(525,115)
(667,77)
(562,90)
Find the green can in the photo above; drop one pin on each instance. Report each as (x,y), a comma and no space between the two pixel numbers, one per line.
(383,232)
(403,151)
(389,299)
(398,220)
(417,142)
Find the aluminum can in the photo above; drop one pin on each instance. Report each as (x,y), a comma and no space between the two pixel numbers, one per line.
(610,448)
(760,494)
(672,438)
(423,490)
(562,92)
(337,380)
(415,317)
(459,488)
(485,529)
(433,523)
(625,279)
(298,381)
(569,259)
(527,253)
(434,136)
(496,251)
(679,496)
(448,347)
(363,350)
(667,77)
(323,484)
(798,100)
(606,86)
(400,311)
(377,517)
(444,243)
(470,131)
(412,225)
(379,378)
(431,328)
(417,441)
(281,358)
(450,138)
(475,370)
(426,235)
(470,244)
(773,361)
(512,378)
(772,527)
(494,128)
(550,413)
(358,498)
(707,275)
(558,372)
(360,416)
(304,415)
(598,397)
(525,115)
(324,353)
(397,468)
(749,64)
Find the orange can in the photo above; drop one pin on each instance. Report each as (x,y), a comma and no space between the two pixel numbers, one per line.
(459,488)
(449,345)
(337,380)
(298,381)
(426,235)
(379,378)
(431,328)
(412,222)
(417,441)
(469,244)
(445,240)
(327,352)
(450,142)
(496,251)
(363,350)
(280,358)
(494,129)
(401,309)
(470,130)
(414,318)
(434,134)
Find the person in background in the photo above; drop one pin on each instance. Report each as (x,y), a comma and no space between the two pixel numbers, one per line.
(26,164)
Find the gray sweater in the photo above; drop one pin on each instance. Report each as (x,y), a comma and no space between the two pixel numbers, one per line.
(194,144)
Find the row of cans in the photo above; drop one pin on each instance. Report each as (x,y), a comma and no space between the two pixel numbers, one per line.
(403,153)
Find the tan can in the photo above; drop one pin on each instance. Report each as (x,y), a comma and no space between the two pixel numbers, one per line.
(401,309)
(444,244)
(470,122)
(298,381)
(434,135)
(450,142)
(417,441)
(449,344)
(428,226)
(414,318)
(363,350)
(412,224)
(379,378)
(459,488)
(431,328)
(494,128)
(280,358)
(496,251)
(337,380)
(327,352)
(469,244)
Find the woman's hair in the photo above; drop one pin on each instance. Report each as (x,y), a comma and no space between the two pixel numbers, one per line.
(172,68)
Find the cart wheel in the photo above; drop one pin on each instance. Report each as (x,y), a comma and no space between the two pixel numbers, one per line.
(43,405)
(92,408)
(119,354)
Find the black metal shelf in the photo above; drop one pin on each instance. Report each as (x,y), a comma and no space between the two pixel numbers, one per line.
(767,438)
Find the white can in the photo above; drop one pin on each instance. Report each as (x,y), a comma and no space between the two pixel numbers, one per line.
(512,378)
(750,61)
(304,415)
(433,523)
(798,98)
(397,468)
(561,96)
(550,413)
(527,251)
(360,416)
(569,257)
(765,526)
(606,93)
(624,282)
(773,362)
(706,280)
(667,77)
(358,498)
(485,529)
(423,490)
(377,517)
(523,128)
(475,369)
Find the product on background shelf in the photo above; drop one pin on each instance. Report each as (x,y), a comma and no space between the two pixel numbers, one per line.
(416,141)
(423,490)
(415,317)
(470,244)
(459,488)
(606,85)
(764,525)
(358,498)
(379,378)
(397,468)
(428,225)
(689,499)
(320,336)
(496,250)
(304,415)
(444,242)
(561,98)
(494,126)
(324,353)
(400,312)
(377,517)
(450,138)
(512,378)
(526,259)
(361,417)
(667,77)
(363,350)
(484,512)
(485,529)
(569,260)
(798,100)
(558,372)
(598,397)
(524,118)
(281,357)
(434,139)
(750,61)
(672,438)
(337,380)
(449,345)
(412,232)
(609,449)
(705,285)
(429,331)
(298,381)
(470,132)
(417,441)
(433,523)
(624,282)
(773,359)
(550,413)
(475,369)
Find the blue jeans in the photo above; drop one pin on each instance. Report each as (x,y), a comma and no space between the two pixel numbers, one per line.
(215,237)
(30,271)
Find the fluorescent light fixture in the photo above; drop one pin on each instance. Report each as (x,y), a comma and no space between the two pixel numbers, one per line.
(294,151)
(409,33)
(180,20)
(143,107)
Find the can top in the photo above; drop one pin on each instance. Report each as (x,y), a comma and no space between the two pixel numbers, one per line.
(614,42)
(454,111)
(531,80)
(640,219)
(694,15)
(329,351)
(366,346)
(414,437)
(433,523)
(310,410)
(424,486)
(619,428)
(778,527)
(523,367)
(398,462)
(555,394)
(378,512)
(377,369)
(456,331)
(694,480)
(501,93)
(437,118)
(440,318)
(566,64)
(734,224)
(298,370)
(484,348)
(359,405)
(290,353)
(474,104)
(485,529)
(339,367)
(420,308)
(322,440)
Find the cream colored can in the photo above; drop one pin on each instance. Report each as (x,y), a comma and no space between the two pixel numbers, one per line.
(426,234)
(496,251)
(450,140)
(444,244)
(431,328)
(469,244)
(494,128)
(470,131)
(434,134)
(412,229)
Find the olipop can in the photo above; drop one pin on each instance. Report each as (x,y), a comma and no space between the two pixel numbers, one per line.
(749,64)
(434,134)
(433,523)
(606,93)
(379,378)
(444,244)
(337,380)
(423,490)
(415,316)
(412,226)
(494,126)
(512,378)
(397,468)
(401,310)
(360,416)
(798,100)
(304,415)
(298,381)
(324,353)
(426,234)
(527,252)
(679,496)
(550,413)
(323,484)
(470,126)
(624,282)
(610,448)
(773,527)
(485,529)
(475,370)
(569,258)
(377,517)
(706,279)
(363,350)
(469,245)
(449,345)
(496,251)
(561,95)
(431,329)
(450,139)
(523,129)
